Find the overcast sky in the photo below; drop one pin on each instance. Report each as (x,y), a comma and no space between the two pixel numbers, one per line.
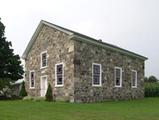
(130,24)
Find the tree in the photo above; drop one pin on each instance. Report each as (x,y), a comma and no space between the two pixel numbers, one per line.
(23,92)
(152,79)
(10,64)
(49,96)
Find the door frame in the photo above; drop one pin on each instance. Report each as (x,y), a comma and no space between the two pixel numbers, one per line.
(46,84)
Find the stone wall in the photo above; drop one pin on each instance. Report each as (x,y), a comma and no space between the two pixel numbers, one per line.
(78,57)
(85,55)
(59,49)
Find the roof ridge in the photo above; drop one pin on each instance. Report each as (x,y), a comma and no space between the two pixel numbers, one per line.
(91,39)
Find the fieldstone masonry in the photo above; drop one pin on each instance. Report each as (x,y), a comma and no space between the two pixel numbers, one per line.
(78,56)
(59,49)
(86,54)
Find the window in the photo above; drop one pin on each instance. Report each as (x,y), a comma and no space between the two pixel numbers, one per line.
(134,78)
(59,73)
(118,77)
(43,59)
(96,74)
(32,79)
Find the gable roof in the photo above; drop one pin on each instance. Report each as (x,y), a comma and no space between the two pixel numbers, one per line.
(78,36)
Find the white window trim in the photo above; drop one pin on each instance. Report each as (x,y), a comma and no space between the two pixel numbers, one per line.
(100,80)
(30,80)
(41,59)
(120,76)
(135,79)
(56,85)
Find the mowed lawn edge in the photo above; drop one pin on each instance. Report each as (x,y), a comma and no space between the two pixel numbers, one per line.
(145,109)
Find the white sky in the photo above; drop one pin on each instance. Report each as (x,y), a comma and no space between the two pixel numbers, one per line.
(130,24)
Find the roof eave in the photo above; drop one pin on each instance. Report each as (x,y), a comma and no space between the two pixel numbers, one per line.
(109,46)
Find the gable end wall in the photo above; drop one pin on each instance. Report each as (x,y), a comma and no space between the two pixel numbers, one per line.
(59,49)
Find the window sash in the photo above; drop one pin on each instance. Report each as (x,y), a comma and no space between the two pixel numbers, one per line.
(32,79)
(134,78)
(96,74)
(44,62)
(43,59)
(118,77)
(32,83)
(59,74)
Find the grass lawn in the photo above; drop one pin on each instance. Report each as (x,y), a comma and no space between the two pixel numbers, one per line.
(146,109)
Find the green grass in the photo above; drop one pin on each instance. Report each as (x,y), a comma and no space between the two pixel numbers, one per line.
(146,109)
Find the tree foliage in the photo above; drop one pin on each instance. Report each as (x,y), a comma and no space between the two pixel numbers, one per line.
(151,79)
(49,96)
(10,64)
(23,92)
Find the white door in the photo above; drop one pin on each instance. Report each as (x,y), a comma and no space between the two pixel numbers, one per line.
(43,86)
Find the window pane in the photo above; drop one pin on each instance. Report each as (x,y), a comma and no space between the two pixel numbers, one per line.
(59,69)
(118,81)
(43,56)
(59,80)
(32,75)
(32,83)
(96,79)
(117,73)
(44,63)
(96,69)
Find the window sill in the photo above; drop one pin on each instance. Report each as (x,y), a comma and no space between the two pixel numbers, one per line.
(96,85)
(43,67)
(32,88)
(59,85)
(117,86)
(134,87)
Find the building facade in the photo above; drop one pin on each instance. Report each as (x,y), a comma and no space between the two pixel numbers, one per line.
(80,68)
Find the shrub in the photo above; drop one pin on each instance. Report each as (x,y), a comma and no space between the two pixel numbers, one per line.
(23,92)
(49,96)
(28,98)
(38,99)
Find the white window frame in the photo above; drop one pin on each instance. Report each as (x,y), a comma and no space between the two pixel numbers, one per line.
(61,85)
(30,79)
(100,79)
(120,76)
(135,79)
(42,61)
